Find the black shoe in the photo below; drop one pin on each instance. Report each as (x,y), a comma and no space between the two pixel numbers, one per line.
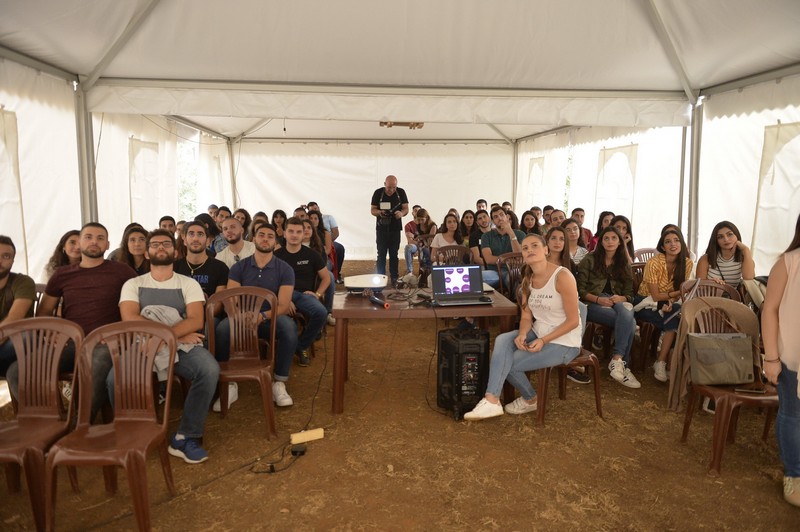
(578,377)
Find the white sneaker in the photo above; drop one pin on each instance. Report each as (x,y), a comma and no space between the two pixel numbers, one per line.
(331,320)
(233,395)
(630,380)
(660,369)
(617,369)
(279,394)
(520,406)
(484,410)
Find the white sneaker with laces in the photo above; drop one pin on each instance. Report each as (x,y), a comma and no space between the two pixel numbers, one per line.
(660,369)
(233,395)
(520,406)
(484,410)
(617,369)
(279,394)
(630,380)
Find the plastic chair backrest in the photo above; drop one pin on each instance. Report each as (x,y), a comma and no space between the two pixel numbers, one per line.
(133,346)
(39,344)
(512,263)
(637,269)
(242,306)
(707,288)
(644,254)
(453,255)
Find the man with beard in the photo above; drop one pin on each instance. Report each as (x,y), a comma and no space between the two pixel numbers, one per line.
(17,293)
(89,294)
(309,269)
(501,239)
(180,302)
(264,270)
(238,248)
(484,225)
(389,204)
(223,213)
(211,273)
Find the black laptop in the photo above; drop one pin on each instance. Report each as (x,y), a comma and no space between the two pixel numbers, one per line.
(460,284)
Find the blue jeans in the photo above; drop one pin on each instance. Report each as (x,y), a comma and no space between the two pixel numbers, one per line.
(654,317)
(329,293)
(424,259)
(7,355)
(315,314)
(510,363)
(285,336)
(101,366)
(621,320)
(787,424)
(339,258)
(198,366)
(388,242)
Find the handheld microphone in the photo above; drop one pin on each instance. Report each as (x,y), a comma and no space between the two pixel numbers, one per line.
(375,299)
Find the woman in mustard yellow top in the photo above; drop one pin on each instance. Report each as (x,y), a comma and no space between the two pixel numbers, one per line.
(663,275)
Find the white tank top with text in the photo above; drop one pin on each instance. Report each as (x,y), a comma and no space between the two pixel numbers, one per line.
(547,308)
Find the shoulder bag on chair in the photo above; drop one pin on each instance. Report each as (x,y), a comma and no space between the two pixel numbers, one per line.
(720,358)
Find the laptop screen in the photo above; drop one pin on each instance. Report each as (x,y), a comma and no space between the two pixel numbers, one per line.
(456,281)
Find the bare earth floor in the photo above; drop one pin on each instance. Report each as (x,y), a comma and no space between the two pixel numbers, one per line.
(393,461)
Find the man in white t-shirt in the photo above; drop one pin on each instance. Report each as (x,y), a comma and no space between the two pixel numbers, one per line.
(164,288)
(238,248)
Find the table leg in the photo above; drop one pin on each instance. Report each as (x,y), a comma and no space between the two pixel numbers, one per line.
(339,365)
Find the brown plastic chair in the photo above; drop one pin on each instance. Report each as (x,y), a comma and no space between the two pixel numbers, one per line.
(135,430)
(644,254)
(511,263)
(727,400)
(585,359)
(707,288)
(39,343)
(242,305)
(648,333)
(593,329)
(453,255)
(39,293)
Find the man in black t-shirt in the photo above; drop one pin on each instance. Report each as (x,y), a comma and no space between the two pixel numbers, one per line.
(389,205)
(311,279)
(211,273)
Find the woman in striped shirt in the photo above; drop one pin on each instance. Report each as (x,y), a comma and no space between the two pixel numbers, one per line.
(727,259)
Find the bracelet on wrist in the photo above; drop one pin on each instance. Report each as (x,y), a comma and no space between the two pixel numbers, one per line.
(772,359)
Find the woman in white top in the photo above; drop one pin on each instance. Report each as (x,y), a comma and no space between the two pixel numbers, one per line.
(780,315)
(727,259)
(449,235)
(550,295)
(577,248)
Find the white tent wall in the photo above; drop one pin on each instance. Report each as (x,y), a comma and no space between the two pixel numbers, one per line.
(342,177)
(735,126)
(213,173)
(634,172)
(42,201)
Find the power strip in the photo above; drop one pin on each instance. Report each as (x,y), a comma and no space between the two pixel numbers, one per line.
(307,435)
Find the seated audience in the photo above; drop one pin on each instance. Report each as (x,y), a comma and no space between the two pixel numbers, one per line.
(132,250)
(530,223)
(223,213)
(467,223)
(414,230)
(168,223)
(17,294)
(482,226)
(550,297)
(579,215)
(577,249)
(603,221)
(244,218)
(237,248)
(68,251)
(501,239)
(279,223)
(623,225)
(448,235)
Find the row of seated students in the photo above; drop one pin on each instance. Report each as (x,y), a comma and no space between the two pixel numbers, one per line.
(601,263)
(94,291)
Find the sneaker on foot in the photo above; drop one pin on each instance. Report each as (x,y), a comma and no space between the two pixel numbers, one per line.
(630,380)
(279,394)
(520,406)
(303,359)
(791,490)
(578,377)
(484,410)
(617,369)
(187,448)
(331,320)
(660,369)
(233,395)
(708,405)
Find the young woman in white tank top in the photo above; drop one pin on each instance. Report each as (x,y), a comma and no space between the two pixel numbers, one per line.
(550,295)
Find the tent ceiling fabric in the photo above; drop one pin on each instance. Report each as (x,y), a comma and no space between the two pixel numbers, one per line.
(511,62)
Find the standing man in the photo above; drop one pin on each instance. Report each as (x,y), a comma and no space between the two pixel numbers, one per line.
(311,280)
(17,292)
(180,304)
(389,205)
(238,248)
(264,270)
(89,294)
(501,239)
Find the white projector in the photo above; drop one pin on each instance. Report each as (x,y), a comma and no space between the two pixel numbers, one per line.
(372,281)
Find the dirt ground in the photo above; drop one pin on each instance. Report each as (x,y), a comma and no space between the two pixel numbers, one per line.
(393,461)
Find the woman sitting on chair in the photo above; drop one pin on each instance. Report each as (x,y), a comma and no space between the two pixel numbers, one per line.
(68,251)
(467,224)
(559,251)
(605,282)
(414,230)
(603,221)
(623,225)
(448,235)
(727,259)
(663,276)
(549,295)
(575,244)
(132,248)
(530,225)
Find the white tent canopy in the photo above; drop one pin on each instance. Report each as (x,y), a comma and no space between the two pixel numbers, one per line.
(471,71)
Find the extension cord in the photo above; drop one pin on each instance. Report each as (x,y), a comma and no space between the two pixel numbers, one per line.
(307,435)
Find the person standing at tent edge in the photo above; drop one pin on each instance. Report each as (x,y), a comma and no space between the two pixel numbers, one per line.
(389,205)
